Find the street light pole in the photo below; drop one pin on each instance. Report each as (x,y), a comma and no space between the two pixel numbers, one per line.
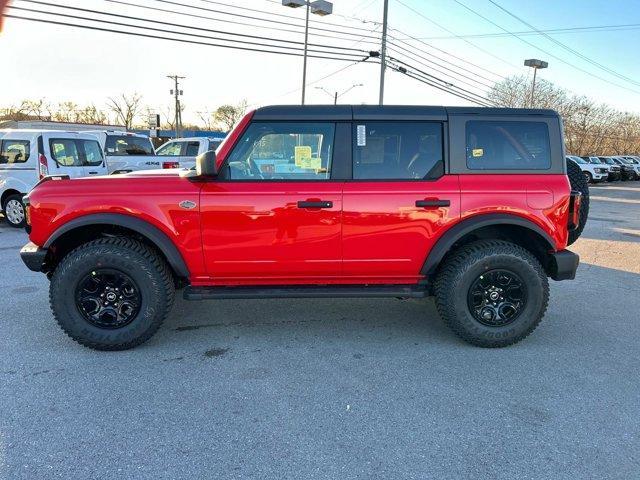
(535,64)
(304,61)
(383,51)
(317,7)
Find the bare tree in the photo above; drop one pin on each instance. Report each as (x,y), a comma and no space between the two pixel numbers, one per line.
(126,108)
(226,116)
(590,128)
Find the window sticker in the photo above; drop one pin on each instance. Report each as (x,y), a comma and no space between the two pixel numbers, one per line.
(301,154)
(361,134)
(310,163)
(477,152)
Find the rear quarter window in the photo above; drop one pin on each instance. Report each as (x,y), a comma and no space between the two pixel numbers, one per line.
(507,145)
(14,151)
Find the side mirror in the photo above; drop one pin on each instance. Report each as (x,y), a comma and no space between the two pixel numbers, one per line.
(206,164)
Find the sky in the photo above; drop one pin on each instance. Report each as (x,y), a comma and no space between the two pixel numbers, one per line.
(62,63)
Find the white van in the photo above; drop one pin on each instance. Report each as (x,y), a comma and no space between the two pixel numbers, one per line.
(126,152)
(182,152)
(27,156)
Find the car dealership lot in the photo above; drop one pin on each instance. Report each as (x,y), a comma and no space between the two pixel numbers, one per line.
(334,388)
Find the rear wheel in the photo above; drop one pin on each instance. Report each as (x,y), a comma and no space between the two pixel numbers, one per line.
(492,293)
(111,293)
(14,211)
(579,183)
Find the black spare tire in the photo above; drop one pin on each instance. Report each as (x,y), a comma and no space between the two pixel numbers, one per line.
(578,182)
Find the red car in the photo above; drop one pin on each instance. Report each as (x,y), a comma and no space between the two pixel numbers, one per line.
(472,205)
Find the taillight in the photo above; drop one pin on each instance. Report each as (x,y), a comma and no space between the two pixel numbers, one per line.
(170,164)
(574,209)
(43,167)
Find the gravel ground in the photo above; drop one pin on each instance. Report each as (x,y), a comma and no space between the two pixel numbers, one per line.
(334,389)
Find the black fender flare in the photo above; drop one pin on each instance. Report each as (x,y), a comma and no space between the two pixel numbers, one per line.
(455,233)
(144,228)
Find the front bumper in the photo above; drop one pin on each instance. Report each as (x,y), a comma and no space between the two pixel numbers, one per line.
(33,256)
(563,265)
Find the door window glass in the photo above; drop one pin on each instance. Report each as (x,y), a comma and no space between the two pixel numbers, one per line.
(283,151)
(119,145)
(92,152)
(214,144)
(192,149)
(508,145)
(398,150)
(14,151)
(65,152)
(171,149)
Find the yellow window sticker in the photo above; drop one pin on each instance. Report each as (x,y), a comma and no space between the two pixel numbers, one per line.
(302,152)
(477,152)
(311,163)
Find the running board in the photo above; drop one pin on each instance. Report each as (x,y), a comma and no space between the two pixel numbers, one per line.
(338,291)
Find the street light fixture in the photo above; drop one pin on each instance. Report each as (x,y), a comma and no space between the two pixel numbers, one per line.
(535,64)
(337,95)
(317,7)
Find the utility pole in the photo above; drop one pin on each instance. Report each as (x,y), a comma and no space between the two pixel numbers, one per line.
(176,92)
(383,51)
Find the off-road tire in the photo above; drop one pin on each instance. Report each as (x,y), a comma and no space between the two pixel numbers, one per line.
(464,266)
(579,183)
(142,264)
(14,198)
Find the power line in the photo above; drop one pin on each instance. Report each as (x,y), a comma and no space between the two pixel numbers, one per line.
(555,31)
(404,51)
(121,24)
(222,12)
(544,51)
(442,84)
(297,53)
(228,21)
(172,24)
(453,33)
(569,49)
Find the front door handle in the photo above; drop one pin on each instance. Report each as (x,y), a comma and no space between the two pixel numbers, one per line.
(93,173)
(315,204)
(433,203)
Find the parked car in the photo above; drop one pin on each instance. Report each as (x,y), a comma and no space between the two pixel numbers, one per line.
(615,170)
(634,164)
(592,173)
(323,201)
(627,172)
(182,152)
(27,156)
(125,151)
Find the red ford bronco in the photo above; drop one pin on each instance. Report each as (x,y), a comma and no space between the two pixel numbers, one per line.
(472,205)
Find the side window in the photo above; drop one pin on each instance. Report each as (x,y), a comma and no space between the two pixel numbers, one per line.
(398,150)
(504,145)
(192,149)
(14,151)
(92,152)
(283,151)
(120,145)
(171,149)
(65,152)
(213,145)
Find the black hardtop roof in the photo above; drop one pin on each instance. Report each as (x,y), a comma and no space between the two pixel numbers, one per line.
(385,112)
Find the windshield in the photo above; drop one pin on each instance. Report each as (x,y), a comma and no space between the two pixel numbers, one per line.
(127,145)
(577,160)
(608,161)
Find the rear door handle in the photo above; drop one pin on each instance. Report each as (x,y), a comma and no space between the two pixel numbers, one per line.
(433,203)
(93,173)
(315,204)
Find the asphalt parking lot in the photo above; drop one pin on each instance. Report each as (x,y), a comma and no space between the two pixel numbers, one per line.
(334,389)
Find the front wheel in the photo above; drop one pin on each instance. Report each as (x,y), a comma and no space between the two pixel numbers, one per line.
(492,293)
(14,211)
(111,294)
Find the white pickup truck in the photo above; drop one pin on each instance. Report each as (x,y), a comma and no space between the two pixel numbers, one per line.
(126,152)
(182,152)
